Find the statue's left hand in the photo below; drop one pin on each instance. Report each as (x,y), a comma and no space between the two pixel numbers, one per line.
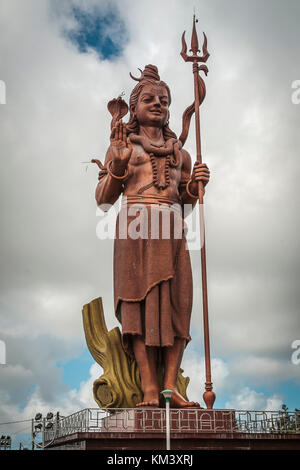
(200,173)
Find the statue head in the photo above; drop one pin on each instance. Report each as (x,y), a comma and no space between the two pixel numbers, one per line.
(149,78)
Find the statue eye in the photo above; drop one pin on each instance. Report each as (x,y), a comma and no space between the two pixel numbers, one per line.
(147,99)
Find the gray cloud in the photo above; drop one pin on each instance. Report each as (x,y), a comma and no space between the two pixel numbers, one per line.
(56,117)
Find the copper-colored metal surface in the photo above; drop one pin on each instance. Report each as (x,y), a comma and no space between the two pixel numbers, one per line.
(152,278)
(199,90)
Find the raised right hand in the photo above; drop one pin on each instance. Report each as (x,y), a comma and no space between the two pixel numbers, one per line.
(120,146)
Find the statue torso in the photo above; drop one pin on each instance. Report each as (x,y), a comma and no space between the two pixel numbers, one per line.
(142,174)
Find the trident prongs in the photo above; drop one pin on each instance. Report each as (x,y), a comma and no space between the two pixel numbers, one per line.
(194,47)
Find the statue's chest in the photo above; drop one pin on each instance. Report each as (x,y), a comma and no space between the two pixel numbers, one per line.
(139,156)
(161,168)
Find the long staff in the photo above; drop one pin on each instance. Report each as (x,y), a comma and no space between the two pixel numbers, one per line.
(200,91)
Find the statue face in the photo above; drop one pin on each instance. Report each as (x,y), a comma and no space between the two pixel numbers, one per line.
(152,108)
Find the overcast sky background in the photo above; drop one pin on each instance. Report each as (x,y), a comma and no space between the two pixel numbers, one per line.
(62,61)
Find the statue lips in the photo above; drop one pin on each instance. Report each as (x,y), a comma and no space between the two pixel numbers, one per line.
(156,111)
(157,114)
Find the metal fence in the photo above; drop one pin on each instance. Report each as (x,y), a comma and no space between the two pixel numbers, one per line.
(93,420)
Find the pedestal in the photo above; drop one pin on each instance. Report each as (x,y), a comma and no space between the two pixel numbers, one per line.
(181,420)
(191,429)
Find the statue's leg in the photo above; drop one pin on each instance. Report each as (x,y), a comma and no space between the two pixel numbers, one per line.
(146,358)
(172,360)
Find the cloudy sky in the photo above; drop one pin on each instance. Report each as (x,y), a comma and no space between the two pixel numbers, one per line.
(61,62)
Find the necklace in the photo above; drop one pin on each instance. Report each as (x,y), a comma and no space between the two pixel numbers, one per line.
(158,183)
(169,150)
(159,151)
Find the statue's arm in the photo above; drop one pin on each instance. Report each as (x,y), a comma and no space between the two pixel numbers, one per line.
(185,178)
(108,188)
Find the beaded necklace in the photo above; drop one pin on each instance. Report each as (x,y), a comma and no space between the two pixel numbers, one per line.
(169,150)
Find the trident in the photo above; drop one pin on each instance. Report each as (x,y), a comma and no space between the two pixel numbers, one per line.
(200,91)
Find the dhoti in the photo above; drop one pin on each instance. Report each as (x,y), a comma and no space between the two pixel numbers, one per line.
(153,288)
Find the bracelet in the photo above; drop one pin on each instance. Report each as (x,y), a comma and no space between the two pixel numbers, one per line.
(188,191)
(109,171)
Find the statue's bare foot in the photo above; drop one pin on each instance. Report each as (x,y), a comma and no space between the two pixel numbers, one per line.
(177,401)
(145,404)
(151,398)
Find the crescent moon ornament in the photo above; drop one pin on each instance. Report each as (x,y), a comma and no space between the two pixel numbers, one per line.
(137,79)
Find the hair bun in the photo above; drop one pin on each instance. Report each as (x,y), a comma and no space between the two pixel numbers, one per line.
(150,72)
